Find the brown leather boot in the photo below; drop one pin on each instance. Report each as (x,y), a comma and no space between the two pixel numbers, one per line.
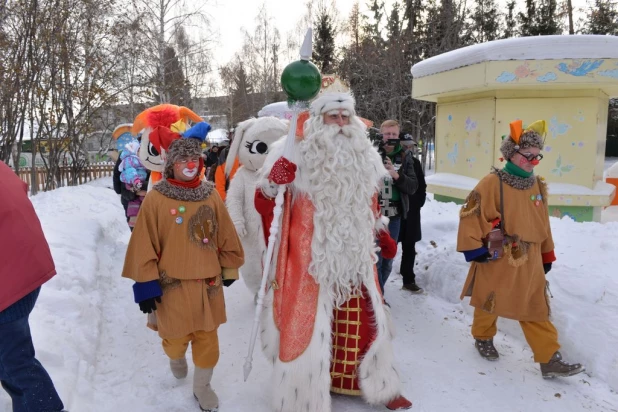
(487,349)
(556,367)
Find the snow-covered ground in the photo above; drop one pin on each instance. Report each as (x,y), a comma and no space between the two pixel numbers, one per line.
(92,338)
(609,162)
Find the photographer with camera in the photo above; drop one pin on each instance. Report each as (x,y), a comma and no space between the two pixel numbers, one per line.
(394,196)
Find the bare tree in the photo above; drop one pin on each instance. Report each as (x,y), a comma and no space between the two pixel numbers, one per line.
(259,56)
(18,71)
(162,22)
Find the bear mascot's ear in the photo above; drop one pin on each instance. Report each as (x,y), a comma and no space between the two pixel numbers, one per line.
(239,137)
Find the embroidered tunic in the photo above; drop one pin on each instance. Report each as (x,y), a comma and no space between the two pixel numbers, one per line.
(186,246)
(512,286)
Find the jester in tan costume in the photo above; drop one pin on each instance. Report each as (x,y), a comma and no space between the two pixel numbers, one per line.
(514,285)
(325,326)
(183,250)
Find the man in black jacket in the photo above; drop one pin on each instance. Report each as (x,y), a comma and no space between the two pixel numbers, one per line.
(394,201)
(411,227)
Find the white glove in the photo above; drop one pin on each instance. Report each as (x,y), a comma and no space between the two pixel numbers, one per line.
(270,189)
(241,230)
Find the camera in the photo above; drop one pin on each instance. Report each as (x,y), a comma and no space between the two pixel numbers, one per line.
(397,160)
(381,150)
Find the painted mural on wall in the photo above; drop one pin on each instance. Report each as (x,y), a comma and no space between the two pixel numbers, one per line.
(552,71)
(571,146)
(469,137)
(464,138)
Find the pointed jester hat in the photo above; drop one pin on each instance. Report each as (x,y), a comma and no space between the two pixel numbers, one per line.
(520,138)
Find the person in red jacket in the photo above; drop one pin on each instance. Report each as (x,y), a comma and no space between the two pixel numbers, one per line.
(25,265)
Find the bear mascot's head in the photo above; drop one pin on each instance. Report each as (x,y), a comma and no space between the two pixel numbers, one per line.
(252,140)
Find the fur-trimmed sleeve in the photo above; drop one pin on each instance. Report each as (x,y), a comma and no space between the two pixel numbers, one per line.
(142,257)
(480,209)
(231,254)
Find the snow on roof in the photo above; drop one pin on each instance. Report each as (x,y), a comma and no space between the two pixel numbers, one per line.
(612,171)
(277,109)
(459,182)
(217,136)
(521,48)
(600,189)
(452,180)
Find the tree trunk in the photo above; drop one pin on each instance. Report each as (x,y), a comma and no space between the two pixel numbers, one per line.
(570,12)
(161,46)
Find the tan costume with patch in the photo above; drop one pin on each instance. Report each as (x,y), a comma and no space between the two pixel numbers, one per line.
(513,286)
(188,269)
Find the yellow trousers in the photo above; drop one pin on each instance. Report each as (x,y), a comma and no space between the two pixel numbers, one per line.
(541,336)
(204,346)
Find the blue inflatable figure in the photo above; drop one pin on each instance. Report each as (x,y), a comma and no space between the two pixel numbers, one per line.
(133,174)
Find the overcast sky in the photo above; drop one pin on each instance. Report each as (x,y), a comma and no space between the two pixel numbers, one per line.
(230,16)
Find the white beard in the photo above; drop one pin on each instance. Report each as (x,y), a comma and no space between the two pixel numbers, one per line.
(340,171)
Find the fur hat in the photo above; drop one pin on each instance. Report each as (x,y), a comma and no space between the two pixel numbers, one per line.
(532,136)
(334,95)
(180,148)
(333,101)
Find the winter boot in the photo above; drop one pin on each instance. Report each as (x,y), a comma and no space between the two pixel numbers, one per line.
(413,287)
(179,368)
(487,349)
(399,404)
(557,367)
(202,390)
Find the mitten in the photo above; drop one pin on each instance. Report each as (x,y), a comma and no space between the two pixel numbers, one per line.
(283,171)
(387,244)
(270,189)
(229,275)
(482,259)
(149,305)
(241,230)
(547,267)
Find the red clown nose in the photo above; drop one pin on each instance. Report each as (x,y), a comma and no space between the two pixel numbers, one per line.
(535,162)
(191,165)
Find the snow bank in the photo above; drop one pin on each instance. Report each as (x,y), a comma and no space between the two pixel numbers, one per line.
(66,319)
(92,338)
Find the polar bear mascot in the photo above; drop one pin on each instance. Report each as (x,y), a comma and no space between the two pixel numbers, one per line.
(252,141)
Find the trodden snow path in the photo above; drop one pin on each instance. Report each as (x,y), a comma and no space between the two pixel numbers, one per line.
(92,337)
